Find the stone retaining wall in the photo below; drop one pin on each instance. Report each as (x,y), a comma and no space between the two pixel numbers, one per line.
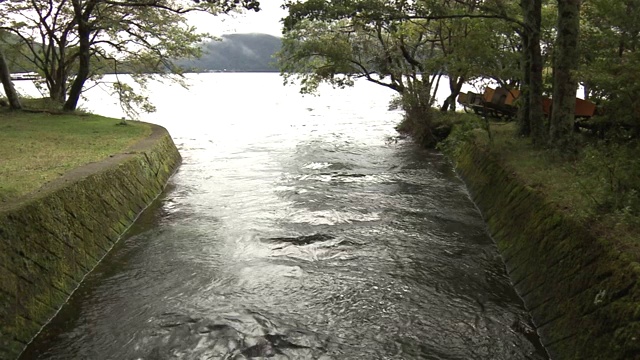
(582,292)
(50,242)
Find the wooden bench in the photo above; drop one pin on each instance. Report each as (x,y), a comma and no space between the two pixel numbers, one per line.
(497,103)
(500,103)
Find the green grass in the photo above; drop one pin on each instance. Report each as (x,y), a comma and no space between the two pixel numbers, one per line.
(542,169)
(36,148)
(580,185)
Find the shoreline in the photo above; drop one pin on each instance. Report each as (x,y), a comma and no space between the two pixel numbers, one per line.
(581,291)
(52,238)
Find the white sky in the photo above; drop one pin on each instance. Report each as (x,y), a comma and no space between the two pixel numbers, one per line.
(265,21)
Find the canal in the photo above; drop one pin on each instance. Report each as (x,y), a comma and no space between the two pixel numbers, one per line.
(296,228)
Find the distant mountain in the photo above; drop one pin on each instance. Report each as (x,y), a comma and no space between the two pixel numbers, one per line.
(237,52)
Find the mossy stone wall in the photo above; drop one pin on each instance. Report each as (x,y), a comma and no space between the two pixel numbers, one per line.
(51,241)
(582,292)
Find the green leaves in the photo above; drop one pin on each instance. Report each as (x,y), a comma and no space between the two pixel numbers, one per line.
(394,39)
(610,59)
(122,36)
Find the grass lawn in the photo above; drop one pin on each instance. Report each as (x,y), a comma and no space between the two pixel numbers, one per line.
(580,186)
(36,148)
(542,169)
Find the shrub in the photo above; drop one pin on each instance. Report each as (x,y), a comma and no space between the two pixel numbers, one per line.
(462,128)
(613,169)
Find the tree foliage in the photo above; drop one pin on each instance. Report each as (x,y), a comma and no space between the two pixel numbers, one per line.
(401,45)
(610,53)
(72,41)
(542,47)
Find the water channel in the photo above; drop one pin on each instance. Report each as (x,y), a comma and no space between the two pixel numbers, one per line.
(296,228)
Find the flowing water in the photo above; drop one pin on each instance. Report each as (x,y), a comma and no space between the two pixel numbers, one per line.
(296,228)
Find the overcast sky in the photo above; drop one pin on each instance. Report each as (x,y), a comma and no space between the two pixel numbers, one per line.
(265,21)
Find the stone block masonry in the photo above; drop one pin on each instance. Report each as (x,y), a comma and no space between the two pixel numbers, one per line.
(582,292)
(50,241)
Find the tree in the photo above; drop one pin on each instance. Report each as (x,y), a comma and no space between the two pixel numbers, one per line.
(393,43)
(455,30)
(5,78)
(72,41)
(564,74)
(450,31)
(531,120)
(451,34)
(473,45)
(610,53)
(336,44)
(45,49)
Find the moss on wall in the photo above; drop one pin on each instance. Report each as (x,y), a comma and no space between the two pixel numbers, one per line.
(51,241)
(583,293)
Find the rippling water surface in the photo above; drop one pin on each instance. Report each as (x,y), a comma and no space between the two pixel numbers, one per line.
(296,228)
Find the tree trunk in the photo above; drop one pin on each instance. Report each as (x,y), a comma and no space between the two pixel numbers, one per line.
(437,86)
(455,85)
(531,116)
(536,113)
(81,76)
(9,90)
(564,80)
(524,110)
(84,35)
(586,90)
(58,92)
